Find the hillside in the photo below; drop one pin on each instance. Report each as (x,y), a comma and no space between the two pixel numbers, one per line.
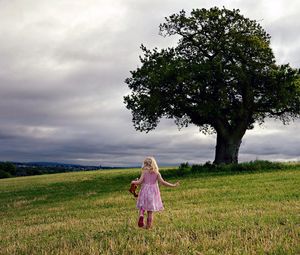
(93,213)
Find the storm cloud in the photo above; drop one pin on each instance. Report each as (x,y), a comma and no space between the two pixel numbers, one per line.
(62,71)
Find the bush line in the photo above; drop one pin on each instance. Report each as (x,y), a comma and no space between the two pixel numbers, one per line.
(252,166)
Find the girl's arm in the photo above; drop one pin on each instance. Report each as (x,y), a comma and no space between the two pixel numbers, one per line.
(139,181)
(165,183)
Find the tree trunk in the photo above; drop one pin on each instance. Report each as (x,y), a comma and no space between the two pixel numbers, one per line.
(227,149)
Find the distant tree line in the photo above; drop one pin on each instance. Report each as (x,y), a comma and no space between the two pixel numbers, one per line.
(9,169)
(14,169)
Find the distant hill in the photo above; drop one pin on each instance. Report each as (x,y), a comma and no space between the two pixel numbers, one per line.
(54,165)
(66,165)
(13,169)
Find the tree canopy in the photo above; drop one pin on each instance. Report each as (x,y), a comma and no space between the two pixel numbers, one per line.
(221,76)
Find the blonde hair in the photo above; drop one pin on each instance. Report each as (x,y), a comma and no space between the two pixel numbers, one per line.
(150,165)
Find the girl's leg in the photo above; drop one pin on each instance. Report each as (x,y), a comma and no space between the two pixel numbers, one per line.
(141,218)
(142,211)
(149,219)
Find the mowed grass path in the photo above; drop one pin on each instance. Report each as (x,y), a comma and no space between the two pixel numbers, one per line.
(93,213)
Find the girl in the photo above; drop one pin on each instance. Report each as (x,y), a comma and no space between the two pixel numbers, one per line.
(149,197)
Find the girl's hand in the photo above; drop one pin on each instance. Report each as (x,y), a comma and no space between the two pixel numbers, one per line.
(176,184)
(133,182)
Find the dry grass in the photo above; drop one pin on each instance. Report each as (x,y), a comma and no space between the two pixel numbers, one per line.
(93,213)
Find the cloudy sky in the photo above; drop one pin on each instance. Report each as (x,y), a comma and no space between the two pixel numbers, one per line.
(62,69)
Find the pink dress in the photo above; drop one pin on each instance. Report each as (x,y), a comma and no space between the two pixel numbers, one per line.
(149,196)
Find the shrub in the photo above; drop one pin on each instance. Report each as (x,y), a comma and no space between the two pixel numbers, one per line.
(183,169)
(4,174)
(8,167)
(257,165)
(207,167)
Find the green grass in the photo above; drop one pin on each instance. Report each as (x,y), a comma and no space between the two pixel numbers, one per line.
(209,213)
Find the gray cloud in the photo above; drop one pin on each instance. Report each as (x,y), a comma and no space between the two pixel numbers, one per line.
(62,72)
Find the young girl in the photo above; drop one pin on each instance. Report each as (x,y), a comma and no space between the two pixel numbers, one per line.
(149,196)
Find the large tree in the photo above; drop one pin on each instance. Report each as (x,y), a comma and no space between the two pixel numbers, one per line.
(221,76)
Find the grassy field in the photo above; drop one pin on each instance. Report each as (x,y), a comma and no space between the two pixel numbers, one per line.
(93,213)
